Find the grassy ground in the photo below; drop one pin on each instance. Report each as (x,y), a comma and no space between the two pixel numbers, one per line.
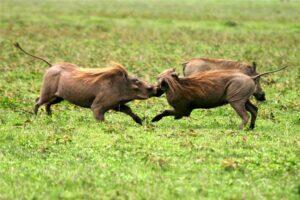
(205,156)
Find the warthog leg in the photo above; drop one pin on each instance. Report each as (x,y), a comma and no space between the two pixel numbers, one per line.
(127,110)
(99,113)
(164,114)
(44,100)
(36,108)
(253,111)
(100,105)
(239,107)
(55,101)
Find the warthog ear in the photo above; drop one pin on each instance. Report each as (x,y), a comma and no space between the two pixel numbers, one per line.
(254,66)
(174,75)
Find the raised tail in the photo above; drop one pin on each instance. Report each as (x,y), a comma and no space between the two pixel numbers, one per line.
(259,75)
(17,45)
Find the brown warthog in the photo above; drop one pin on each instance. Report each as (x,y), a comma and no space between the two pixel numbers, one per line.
(98,89)
(206,64)
(208,90)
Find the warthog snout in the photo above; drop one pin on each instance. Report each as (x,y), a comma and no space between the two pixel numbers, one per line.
(152,90)
(260,96)
(158,91)
(142,89)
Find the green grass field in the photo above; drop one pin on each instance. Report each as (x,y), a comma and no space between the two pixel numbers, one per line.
(71,156)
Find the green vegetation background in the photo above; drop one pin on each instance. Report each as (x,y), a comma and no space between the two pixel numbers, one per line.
(205,156)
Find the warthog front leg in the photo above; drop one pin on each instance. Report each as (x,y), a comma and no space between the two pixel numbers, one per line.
(99,113)
(101,105)
(164,114)
(127,110)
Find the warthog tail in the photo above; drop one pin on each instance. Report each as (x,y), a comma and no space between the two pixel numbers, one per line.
(17,45)
(259,75)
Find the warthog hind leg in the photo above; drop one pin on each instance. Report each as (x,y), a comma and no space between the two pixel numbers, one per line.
(253,111)
(55,101)
(239,107)
(41,101)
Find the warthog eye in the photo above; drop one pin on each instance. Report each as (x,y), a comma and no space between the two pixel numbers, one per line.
(149,88)
(135,80)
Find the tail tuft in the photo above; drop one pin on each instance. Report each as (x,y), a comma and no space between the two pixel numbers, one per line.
(17,45)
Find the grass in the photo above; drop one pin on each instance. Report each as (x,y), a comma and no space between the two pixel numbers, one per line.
(70,155)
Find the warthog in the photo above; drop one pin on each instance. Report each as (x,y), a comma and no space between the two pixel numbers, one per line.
(208,90)
(205,64)
(98,89)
